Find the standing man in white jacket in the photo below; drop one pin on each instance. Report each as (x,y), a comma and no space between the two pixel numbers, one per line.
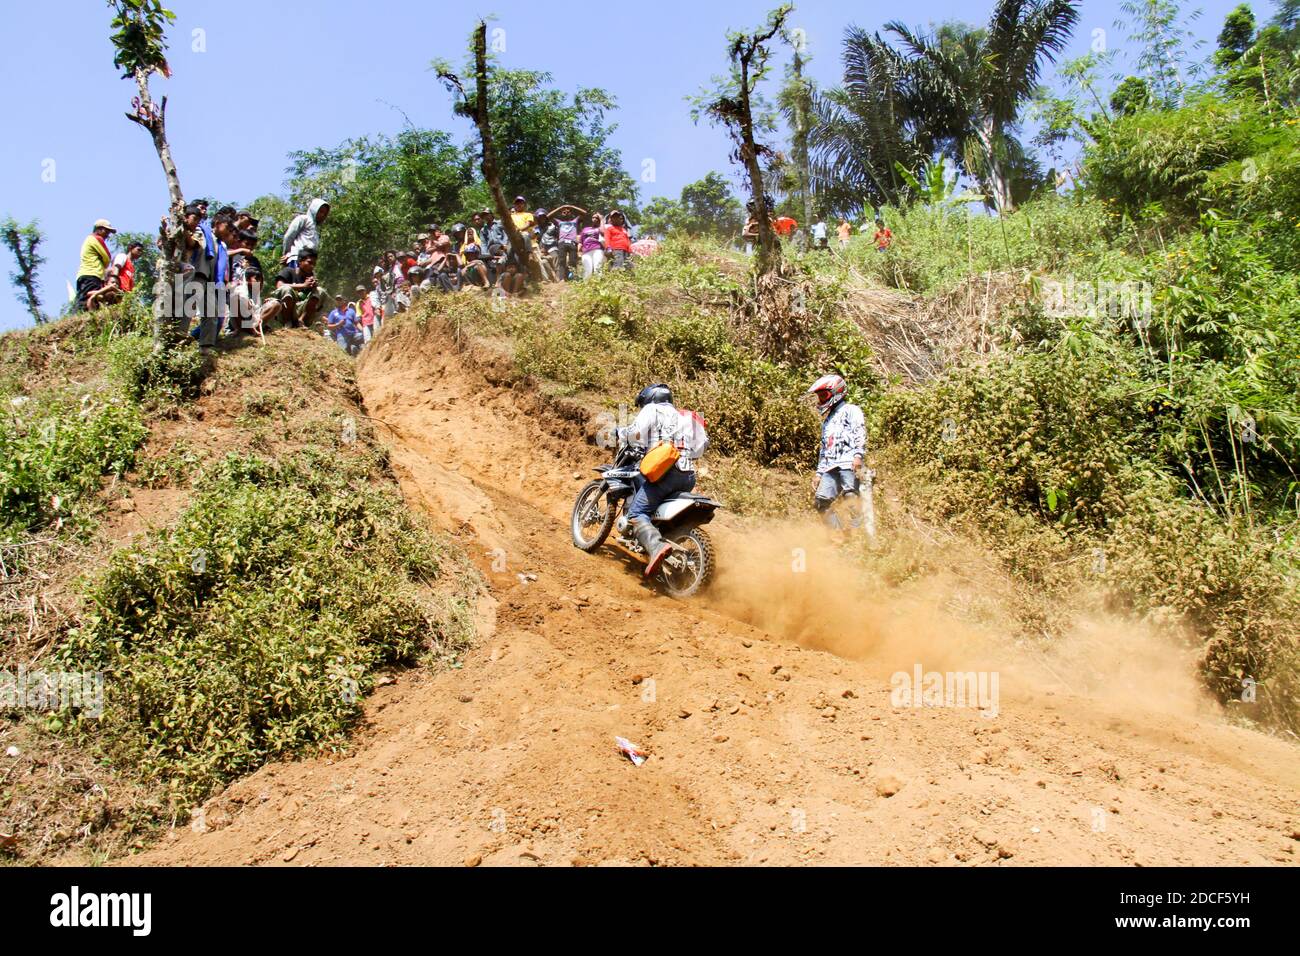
(843,447)
(304,231)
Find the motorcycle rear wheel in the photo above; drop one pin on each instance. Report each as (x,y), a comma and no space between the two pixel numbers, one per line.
(593,518)
(687,574)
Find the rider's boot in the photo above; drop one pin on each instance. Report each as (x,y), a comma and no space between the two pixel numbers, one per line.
(652,543)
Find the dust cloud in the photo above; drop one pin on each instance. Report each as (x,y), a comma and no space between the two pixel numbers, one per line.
(792,580)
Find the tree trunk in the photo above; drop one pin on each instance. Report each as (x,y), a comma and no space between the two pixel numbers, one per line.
(801,141)
(168,297)
(769,251)
(29,288)
(27,279)
(490,171)
(999,187)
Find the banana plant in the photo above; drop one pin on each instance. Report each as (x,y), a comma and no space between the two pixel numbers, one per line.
(933,187)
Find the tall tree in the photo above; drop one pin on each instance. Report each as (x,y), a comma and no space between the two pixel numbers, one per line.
(24,242)
(706,208)
(737,106)
(478,108)
(796,104)
(710,208)
(1160,28)
(553,147)
(140,45)
(383,190)
(865,129)
(969,85)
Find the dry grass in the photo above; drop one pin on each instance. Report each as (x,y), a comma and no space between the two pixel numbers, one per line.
(916,337)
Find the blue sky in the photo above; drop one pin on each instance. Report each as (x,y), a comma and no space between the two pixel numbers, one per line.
(364,65)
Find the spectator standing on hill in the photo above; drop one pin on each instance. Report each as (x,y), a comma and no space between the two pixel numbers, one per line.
(523,220)
(799,240)
(618,242)
(750,234)
(883,237)
(94,261)
(341,323)
(567,220)
(201,277)
(245,282)
(845,232)
(592,246)
(548,244)
(376,299)
(365,314)
(819,234)
(123,267)
(493,233)
(388,282)
(304,231)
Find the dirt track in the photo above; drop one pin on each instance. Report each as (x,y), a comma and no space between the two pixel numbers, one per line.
(763,751)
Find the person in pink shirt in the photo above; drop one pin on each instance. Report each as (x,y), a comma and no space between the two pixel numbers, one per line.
(591,244)
(366,308)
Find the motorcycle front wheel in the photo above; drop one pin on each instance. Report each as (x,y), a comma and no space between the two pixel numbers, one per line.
(689,569)
(593,517)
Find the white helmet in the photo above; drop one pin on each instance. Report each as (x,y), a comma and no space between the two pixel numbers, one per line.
(827,391)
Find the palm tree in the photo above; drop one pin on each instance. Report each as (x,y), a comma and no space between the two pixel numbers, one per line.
(957,90)
(863,130)
(968,85)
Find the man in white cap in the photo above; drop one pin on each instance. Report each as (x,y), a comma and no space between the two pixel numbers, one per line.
(95,258)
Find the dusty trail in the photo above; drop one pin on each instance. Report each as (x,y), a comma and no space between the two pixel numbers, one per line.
(763,751)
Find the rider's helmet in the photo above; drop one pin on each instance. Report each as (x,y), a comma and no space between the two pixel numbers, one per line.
(654,394)
(827,392)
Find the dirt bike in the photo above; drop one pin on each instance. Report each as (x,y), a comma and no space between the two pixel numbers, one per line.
(601,509)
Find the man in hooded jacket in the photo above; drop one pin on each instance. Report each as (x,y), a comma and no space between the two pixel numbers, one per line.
(304,231)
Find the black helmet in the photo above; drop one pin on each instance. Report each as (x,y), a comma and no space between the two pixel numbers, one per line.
(653,394)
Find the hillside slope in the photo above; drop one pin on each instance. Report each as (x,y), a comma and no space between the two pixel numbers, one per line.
(766,707)
(144,541)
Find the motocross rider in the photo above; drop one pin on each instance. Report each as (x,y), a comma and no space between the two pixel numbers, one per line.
(657,421)
(843,445)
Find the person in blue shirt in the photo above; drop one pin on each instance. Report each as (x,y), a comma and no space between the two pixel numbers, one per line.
(342,325)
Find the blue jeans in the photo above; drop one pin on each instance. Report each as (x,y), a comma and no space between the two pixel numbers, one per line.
(649,495)
(833,484)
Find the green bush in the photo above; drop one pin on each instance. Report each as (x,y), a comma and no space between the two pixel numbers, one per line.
(1162,160)
(1053,433)
(53,457)
(252,628)
(149,371)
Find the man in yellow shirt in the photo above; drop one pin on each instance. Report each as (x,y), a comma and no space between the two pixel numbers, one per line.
(524,223)
(94,261)
(522,217)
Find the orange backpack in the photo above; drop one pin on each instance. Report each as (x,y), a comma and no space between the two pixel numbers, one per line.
(656,462)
